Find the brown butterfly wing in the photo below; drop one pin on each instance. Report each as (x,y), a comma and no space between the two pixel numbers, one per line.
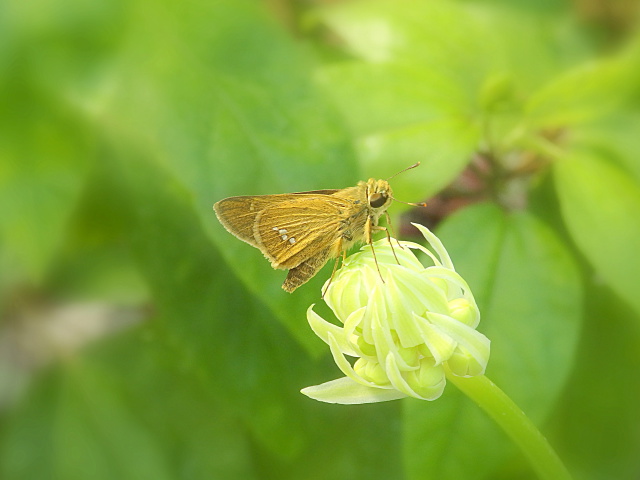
(320,223)
(238,214)
(307,269)
(290,233)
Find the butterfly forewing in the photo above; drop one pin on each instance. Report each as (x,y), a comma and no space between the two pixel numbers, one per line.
(292,232)
(238,214)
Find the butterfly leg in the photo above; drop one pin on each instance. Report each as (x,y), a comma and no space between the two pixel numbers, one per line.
(386,230)
(335,267)
(388,218)
(368,229)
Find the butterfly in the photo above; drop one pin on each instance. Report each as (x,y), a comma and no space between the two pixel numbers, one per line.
(302,231)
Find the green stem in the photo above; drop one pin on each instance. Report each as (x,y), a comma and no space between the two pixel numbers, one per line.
(515,424)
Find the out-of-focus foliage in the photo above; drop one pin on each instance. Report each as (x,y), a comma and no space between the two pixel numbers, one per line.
(140,340)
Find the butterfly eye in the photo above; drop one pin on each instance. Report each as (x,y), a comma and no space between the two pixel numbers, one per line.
(377,200)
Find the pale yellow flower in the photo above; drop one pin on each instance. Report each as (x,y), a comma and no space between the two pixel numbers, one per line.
(403,330)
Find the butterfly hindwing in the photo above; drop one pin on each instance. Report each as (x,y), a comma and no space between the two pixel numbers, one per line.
(307,269)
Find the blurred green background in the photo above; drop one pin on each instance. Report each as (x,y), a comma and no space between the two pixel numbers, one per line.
(139,340)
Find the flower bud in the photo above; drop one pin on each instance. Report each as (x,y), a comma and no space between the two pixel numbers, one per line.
(405,322)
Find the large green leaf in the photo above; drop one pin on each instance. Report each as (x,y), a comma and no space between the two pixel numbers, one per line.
(410,114)
(614,138)
(44,153)
(51,66)
(398,94)
(437,35)
(455,45)
(110,419)
(600,205)
(585,93)
(216,332)
(221,97)
(600,399)
(87,432)
(529,295)
(423,85)
(412,96)
(443,146)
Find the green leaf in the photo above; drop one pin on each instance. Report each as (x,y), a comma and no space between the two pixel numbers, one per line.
(44,151)
(88,432)
(441,36)
(227,121)
(428,77)
(397,94)
(443,146)
(459,43)
(529,295)
(600,384)
(420,81)
(107,417)
(202,437)
(600,205)
(585,93)
(216,332)
(410,114)
(615,137)
(213,322)
(52,67)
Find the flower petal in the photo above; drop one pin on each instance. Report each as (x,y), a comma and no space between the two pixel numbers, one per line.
(395,376)
(350,290)
(422,293)
(431,381)
(476,344)
(463,364)
(437,246)
(425,250)
(350,324)
(345,366)
(323,329)
(439,343)
(428,381)
(376,308)
(454,279)
(464,311)
(400,309)
(347,392)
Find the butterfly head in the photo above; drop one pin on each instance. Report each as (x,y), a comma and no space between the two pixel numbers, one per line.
(379,194)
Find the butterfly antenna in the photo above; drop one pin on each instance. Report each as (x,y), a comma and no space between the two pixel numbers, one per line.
(404,170)
(419,204)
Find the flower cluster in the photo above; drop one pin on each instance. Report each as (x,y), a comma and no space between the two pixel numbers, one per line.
(406,325)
